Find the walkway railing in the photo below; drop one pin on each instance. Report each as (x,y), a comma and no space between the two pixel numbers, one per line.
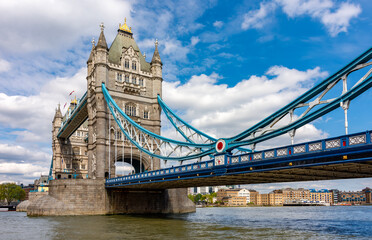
(223,160)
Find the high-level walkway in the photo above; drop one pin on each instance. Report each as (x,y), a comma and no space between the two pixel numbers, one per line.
(348,156)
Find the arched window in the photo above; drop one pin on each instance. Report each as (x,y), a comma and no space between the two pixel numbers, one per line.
(127,78)
(141,82)
(134,79)
(130,109)
(134,65)
(126,63)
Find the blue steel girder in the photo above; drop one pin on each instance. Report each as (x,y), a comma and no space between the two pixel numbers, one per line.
(153,144)
(188,132)
(74,119)
(311,157)
(265,129)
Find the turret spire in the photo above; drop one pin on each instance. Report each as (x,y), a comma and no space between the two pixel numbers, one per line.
(90,59)
(156,56)
(102,40)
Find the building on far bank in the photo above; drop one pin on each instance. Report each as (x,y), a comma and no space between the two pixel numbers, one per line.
(321,196)
(335,196)
(353,198)
(368,193)
(295,195)
(237,201)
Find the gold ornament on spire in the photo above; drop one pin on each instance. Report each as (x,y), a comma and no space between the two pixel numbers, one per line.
(125,27)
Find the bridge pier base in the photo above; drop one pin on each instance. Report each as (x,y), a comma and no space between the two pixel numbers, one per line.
(90,197)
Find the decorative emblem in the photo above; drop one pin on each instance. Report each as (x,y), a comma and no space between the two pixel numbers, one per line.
(220,145)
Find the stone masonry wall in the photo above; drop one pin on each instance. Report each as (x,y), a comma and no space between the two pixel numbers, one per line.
(90,197)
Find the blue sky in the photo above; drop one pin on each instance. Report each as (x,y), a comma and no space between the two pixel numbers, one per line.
(227,65)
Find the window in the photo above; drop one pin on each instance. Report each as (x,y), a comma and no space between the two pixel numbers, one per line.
(141,82)
(126,63)
(68,166)
(134,80)
(76,151)
(119,77)
(130,110)
(83,166)
(118,134)
(146,114)
(127,78)
(134,65)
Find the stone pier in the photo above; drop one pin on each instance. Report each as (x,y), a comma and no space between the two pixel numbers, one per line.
(90,197)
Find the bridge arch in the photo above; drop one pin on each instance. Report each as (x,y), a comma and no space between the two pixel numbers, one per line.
(139,162)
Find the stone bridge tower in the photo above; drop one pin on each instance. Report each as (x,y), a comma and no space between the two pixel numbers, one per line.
(134,84)
(90,138)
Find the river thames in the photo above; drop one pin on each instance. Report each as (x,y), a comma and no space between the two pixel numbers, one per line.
(339,222)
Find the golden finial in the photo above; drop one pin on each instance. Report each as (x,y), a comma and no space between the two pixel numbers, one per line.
(125,27)
(74,101)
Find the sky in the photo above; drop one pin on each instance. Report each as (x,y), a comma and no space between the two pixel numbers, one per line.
(226,66)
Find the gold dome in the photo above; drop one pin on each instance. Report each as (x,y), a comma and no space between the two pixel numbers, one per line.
(125,27)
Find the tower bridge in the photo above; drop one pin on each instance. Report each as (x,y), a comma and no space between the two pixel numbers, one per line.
(118,120)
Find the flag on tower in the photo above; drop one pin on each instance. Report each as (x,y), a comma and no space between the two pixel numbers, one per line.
(64,105)
(71,93)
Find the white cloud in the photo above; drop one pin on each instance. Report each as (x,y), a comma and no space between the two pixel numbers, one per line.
(29,26)
(315,8)
(174,49)
(19,154)
(4,65)
(218,24)
(194,40)
(339,21)
(335,18)
(26,169)
(224,111)
(258,18)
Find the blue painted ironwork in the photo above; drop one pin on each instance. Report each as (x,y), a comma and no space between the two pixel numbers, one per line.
(50,177)
(153,144)
(71,115)
(188,132)
(290,155)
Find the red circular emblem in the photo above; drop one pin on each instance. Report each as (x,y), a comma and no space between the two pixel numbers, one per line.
(219,146)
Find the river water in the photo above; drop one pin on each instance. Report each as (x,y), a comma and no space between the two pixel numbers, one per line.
(339,222)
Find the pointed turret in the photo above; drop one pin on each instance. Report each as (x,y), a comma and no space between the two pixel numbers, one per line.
(156,57)
(156,70)
(58,113)
(102,40)
(90,59)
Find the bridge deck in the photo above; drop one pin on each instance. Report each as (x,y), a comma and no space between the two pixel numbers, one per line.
(75,119)
(347,156)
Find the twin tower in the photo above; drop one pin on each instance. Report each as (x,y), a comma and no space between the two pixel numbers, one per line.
(97,144)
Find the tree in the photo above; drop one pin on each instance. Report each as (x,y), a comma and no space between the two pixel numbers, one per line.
(191,197)
(198,197)
(10,192)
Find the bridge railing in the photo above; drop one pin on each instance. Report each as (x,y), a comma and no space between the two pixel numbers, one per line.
(222,160)
(70,114)
(301,148)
